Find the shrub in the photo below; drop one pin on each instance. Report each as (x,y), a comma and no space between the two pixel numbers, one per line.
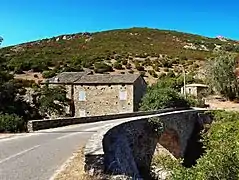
(160,98)
(170,74)
(125,62)
(128,66)
(220,160)
(118,66)
(156,68)
(161,75)
(166,69)
(139,68)
(102,67)
(11,123)
(48,74)
(152,73)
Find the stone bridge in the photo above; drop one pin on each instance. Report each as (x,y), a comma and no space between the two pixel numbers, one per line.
(126,147)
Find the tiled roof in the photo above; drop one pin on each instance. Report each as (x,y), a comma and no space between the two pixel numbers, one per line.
(67,77)
(87,78)
(108,79)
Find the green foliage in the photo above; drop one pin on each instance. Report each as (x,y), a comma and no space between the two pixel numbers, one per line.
(160,98)
(157,125)
(11,123)
(87,49)
(50,100)
(102,67)
(222,76)
(221,160)
(118,66)
(48,74)
(139,67)
(161,75)
(125,62)
(152,73)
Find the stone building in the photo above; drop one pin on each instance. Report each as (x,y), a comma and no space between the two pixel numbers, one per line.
(194,89)
(101,94)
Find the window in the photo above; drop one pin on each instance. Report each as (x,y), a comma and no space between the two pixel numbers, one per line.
(123,95)
(82,96)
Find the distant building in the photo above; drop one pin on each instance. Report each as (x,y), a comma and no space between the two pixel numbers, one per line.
(194,89)
(101,94)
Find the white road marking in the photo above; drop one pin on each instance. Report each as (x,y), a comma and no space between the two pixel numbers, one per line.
(18,154)
(84,131)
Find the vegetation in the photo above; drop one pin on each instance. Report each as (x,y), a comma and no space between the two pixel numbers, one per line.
(165,94)
(11,123)
(160,98)
(220,160)
(15,110)
(86,49)
(50,101)
(222,75)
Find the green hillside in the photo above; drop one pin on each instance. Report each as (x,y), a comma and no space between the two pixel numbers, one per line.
(125,46)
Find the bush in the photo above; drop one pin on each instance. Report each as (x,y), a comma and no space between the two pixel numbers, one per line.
(156,68)
(128,66)
(11,123)
(170,74)
(118,66)
(125,62)
(160,98)
(102,67)
(222,151)
(152,73)
(48,74)
(161,75)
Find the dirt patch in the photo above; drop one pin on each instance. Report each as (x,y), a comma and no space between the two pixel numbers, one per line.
(74,170)
(216,102)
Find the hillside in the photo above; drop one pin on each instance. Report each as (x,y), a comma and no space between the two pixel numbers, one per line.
(126,50)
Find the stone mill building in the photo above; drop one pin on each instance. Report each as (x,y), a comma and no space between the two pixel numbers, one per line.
(101,94)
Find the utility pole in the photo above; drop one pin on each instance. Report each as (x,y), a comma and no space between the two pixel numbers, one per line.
(184,83)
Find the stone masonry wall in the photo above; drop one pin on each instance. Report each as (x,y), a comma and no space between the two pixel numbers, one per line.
(129,147)
(103,100)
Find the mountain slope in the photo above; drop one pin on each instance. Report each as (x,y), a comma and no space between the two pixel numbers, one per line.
(135,44)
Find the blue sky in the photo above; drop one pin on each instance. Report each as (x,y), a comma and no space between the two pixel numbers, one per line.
(27,20)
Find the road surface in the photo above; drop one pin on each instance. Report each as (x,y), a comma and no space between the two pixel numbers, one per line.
(36,156)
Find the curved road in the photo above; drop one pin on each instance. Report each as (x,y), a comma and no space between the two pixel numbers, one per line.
(36,156)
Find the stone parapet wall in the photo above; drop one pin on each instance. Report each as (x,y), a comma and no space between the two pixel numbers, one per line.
(127,147)
(35,125)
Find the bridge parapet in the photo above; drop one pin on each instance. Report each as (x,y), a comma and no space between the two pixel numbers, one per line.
(127,146)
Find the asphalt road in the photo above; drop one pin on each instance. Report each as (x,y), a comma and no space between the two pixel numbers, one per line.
(36,156)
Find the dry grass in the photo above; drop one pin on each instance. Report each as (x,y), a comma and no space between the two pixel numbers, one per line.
(75,169)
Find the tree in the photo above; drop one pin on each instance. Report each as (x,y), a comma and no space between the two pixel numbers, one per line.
(50,100)
(221,73)
(14,110)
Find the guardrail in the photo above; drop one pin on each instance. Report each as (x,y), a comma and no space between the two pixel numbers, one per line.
(35,125)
